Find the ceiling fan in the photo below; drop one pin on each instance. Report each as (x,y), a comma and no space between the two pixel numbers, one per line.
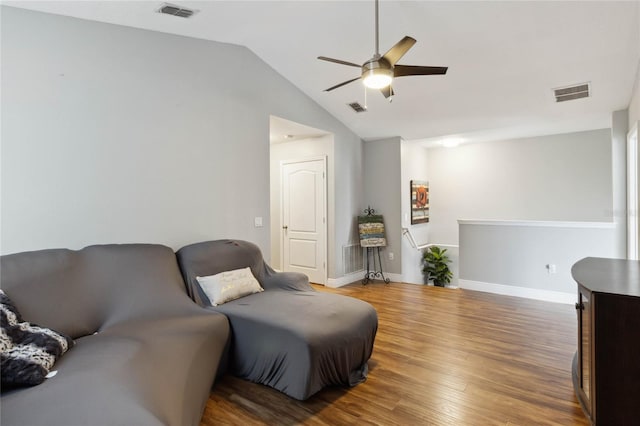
(379,71)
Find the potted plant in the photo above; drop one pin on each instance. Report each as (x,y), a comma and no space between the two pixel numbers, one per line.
(435,266)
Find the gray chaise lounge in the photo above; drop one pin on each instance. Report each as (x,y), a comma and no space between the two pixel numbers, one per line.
(155,354)
(289,337)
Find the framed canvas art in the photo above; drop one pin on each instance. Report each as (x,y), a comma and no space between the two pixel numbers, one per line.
(371,230)
(419,202)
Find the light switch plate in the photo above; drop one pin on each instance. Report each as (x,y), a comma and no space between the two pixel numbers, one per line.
(257,222)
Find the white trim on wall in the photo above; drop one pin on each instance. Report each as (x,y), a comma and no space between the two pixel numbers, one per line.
(538,223)
(345,279)
(395,278)
(526,292)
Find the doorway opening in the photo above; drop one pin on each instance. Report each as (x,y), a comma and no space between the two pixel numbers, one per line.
(301,198)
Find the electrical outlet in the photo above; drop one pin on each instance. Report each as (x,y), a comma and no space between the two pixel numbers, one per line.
(390,256)
(551,268)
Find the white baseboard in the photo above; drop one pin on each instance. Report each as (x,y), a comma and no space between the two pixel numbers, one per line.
(396,278)
(509,290)
(358,276)
(345,279)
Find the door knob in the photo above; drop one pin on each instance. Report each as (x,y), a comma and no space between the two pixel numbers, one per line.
(285,227)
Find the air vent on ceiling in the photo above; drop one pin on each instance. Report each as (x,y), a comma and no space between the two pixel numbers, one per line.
(357,107)
(569,93)
(170,9)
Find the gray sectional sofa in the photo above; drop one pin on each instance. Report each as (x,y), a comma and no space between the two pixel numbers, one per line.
(146,354)
(289,337)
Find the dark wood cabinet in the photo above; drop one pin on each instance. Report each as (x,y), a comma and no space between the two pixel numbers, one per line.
(606,368)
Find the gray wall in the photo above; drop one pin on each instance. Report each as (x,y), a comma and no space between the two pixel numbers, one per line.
(557,178)
(382,177)
(619,128)
(564,177)
(414,167)
(114,134)
(634,105)
(517,255)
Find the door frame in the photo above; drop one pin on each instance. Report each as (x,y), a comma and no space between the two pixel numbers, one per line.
(325,224)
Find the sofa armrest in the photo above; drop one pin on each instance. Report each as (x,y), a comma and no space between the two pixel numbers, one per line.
(286,281)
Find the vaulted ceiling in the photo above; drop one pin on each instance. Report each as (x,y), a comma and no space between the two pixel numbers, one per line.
(504,58)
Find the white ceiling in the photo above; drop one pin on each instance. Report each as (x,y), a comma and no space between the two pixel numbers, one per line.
(503,57)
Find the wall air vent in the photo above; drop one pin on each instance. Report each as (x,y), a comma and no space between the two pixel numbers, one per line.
(569,93)
(357,107)
(170,9)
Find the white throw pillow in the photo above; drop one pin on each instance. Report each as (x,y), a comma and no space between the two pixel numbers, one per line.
(229,285)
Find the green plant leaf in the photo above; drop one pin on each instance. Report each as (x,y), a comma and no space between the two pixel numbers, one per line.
(435,266)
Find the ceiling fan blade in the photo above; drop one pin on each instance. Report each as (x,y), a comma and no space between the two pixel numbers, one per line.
(387,91)
(394,54)
(342,84)
(403,70)
(338,61)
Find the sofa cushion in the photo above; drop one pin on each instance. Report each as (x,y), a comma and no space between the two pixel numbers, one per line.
(213,257)
(27,351)
(229,285)
(299,342)
(80,292)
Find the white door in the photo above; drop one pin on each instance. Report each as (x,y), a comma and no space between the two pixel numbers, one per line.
(304,218)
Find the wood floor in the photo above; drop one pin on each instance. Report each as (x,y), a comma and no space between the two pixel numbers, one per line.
(441,357)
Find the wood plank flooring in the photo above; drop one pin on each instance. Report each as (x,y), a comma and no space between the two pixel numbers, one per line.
(441,357)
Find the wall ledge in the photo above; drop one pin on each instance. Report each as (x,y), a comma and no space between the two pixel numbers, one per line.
(526,292)
(539,223)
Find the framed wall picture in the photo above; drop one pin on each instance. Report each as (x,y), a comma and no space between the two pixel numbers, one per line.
(419,202)
(371,230)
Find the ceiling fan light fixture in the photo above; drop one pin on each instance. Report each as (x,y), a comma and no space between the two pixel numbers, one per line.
(377,78)
(379,71)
